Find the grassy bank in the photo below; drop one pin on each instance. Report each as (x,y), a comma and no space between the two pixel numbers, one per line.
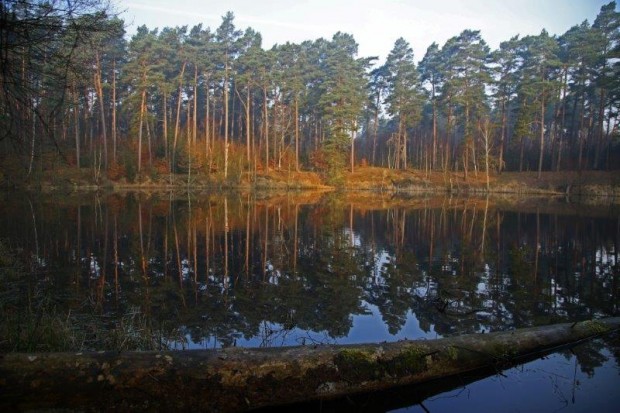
(573,183)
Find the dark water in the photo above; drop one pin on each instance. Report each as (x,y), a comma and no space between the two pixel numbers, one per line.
(176,271)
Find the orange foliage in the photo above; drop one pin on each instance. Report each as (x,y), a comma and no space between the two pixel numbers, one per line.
(115,171)
(161,166)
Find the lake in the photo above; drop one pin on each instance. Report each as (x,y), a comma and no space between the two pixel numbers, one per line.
(156,271)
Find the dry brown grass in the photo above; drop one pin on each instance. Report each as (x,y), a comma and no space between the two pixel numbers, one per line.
(364,178)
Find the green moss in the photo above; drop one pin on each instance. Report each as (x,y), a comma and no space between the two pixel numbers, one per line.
(412,360)
(366,365)
(453,353)
(502,351)
(357,364)
(595,326)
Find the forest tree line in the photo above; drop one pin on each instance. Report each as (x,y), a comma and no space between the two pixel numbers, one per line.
(213,101)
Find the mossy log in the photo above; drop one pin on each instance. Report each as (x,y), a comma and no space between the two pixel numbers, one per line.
(238,379)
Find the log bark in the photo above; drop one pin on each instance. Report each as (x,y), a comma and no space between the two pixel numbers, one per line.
(238,379)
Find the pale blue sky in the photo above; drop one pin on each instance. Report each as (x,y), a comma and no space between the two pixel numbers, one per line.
(374,24)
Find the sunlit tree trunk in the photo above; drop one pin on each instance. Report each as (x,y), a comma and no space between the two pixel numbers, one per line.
(165,123)
(502,139)
(195,124)
(226,117)
(297,134)
(434,161)
(148,135)
(542,134)
(353,134)
(207,136)
(99,89)
(142,106)
(76,115)
(248,127)
(178,116)
(266,125)
(114,126)
(599,130)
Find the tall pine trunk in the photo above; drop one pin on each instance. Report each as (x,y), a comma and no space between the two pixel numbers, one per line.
(195,124)
(226,118)
(178,116)
(502,139)
(114,110)
(542,134)
(142,106)
(297,135)
(99,89)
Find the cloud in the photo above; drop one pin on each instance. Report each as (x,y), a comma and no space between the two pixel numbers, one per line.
(165,12)
(169,10)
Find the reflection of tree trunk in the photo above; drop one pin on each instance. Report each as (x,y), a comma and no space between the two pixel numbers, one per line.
(79,245)
(247,239)
(499,253)
(36,233)
(402,228)
(142,258)
(208,230)
(431,243)
(293,374)
(266,242)
(351,239)
(536,248)
(176,244)
(484,227)
(194,230)
(116,263)
(225,243)
(296,239)
(165,246)
(104,258)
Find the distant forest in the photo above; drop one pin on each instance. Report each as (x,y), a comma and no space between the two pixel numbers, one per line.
(75,90)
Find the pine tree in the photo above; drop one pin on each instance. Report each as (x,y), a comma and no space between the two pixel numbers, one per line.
(504,63)
(466,75)
(539,80)
(344,94)
(431,74)
(227,37)
(404,97)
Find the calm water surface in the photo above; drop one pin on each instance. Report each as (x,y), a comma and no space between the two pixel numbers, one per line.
(159,271)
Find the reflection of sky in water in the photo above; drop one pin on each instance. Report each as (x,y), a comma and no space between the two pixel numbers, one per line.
(396,274)
(552,384)
(366,328)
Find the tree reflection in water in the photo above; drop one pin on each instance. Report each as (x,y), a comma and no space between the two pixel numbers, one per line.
(223,270)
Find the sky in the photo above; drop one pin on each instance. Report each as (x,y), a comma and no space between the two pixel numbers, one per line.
(375,24)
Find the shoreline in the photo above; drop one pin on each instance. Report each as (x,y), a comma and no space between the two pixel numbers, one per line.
(588,184)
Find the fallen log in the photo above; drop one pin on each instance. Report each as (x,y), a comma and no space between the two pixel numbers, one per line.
(239,379)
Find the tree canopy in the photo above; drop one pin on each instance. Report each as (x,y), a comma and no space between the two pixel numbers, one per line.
(214,101)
